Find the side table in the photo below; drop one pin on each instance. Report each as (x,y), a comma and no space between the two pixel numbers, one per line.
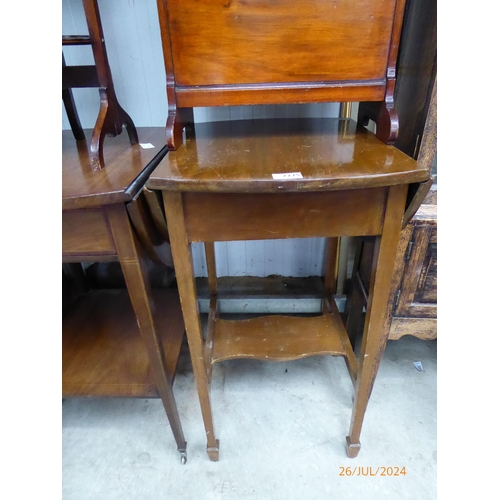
(221,185)
(117,342)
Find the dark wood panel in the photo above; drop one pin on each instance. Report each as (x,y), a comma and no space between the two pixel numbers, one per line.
(228,216)
(415,259)
(263,286)
(427,285)
(416,72)
(244,43)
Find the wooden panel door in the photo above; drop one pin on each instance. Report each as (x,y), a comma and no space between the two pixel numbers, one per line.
(417,296)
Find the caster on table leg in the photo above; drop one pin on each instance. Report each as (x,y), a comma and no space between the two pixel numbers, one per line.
(213,453)
(182,451)
(351,448)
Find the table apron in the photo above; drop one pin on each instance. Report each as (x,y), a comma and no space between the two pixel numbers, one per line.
(250,216)
(87,232)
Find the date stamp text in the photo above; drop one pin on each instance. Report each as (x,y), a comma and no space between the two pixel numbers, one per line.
(372,471)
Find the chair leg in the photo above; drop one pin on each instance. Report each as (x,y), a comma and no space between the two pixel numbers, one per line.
(74,120)
(375,335)
(183,264)
(129,125)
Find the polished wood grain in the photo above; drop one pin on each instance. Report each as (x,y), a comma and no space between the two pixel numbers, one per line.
(127,167)
(245,43)
(103,352)
(241,156)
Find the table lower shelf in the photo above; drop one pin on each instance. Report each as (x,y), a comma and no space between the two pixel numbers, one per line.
(281,338)
(103,353)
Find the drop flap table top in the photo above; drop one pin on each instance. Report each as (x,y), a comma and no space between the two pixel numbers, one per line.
(127,168)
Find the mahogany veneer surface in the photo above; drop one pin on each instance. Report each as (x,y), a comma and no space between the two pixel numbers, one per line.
(259,41)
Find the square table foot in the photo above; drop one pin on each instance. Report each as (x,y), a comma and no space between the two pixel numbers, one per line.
(213,453)
(351,448)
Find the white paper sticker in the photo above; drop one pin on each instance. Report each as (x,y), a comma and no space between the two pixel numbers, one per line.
(146,145)
(289,175)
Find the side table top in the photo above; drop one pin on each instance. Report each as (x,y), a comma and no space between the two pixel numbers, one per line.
(242,156)
(127,168)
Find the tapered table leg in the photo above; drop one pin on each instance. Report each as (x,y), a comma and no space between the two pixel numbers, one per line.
(136,277)
(374,335)
(183,264)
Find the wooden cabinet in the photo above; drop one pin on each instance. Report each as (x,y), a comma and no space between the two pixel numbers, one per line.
(413,308)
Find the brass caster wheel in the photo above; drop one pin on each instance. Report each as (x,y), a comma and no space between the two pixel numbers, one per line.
(183,458)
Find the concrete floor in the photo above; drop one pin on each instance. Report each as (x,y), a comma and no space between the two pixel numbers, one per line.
(282,429)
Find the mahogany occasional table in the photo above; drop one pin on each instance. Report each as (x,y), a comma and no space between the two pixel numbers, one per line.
(219,186)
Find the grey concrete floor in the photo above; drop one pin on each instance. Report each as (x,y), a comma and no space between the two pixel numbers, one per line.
(282,429)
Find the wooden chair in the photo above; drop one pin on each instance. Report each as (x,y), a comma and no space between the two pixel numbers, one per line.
(112,117)
(268,179)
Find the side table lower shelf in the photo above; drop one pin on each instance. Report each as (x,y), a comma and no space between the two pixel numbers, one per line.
(280,338)
(103,351)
